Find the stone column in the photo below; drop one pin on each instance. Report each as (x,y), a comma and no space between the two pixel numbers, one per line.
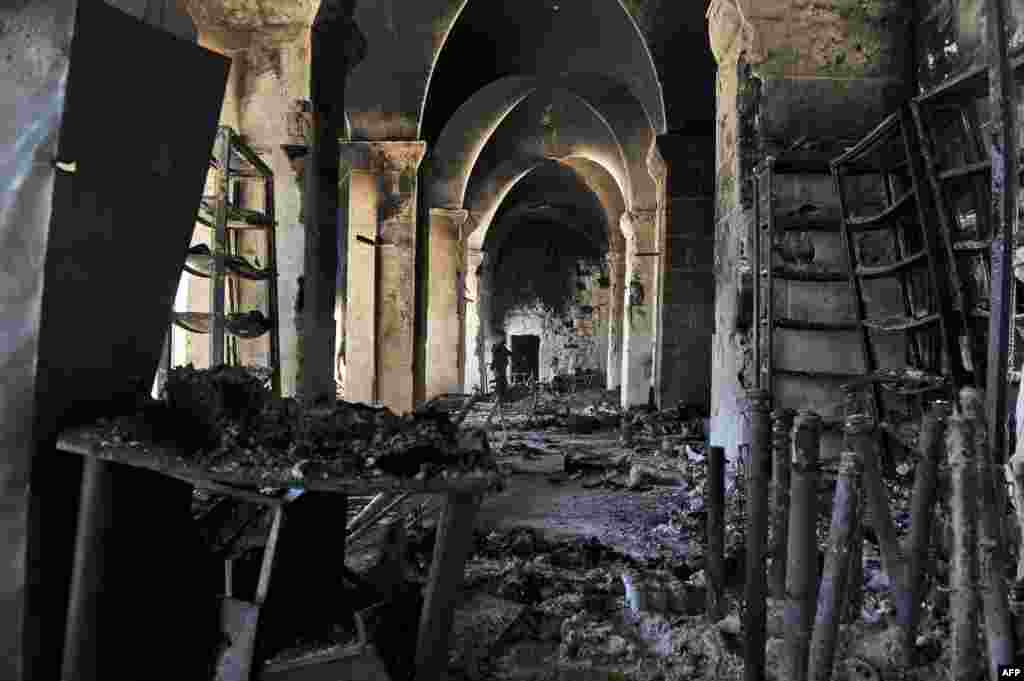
(641,295)
(472,365)
(657,170)
(616,293)
(361,285)
(269,73)
(383,188)
(445,293)
(688,289)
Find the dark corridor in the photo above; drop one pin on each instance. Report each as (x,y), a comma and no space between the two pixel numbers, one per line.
(525,356)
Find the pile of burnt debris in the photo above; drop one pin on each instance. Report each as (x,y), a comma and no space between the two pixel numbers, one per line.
(227,419)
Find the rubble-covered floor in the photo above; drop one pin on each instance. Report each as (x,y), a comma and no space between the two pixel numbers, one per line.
(637,523)
(544,597)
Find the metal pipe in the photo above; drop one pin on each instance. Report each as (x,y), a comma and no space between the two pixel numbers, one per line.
(94,519)
(855,582)
(845,517)
(991,581)
(932,448)
(357,532)
(877,498)
(754,243)
(757,527)
(715,491)
(802,553)
(964,567)
(372,507)
(782,426)
(1003,206)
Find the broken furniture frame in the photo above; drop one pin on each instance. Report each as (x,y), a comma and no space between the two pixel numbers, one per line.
(234,162)
(454,536)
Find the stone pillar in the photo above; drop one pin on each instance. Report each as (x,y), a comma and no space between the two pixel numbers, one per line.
(445,293)
(383,189)
(688,288)
(616,293)
(641,294)
(657,170)
(269,73)
(361,286)
(472,365)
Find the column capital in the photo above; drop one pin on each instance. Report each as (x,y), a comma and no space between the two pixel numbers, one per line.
(638,223)
(456,218)
(385,156)
(240,23)
(730,31)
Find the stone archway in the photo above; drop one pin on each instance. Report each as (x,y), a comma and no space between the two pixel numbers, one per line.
(475,169)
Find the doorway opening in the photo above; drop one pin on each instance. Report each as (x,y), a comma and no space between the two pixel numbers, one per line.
(525,358)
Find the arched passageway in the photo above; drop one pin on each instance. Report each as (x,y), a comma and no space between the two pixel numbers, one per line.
(490,108)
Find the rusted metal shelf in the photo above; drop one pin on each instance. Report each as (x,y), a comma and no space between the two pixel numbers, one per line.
(792,274)
(978,168)
(807,325)
(894,268)
(880,220)
(200,263)
(202,322)
(901,324)
(226,272)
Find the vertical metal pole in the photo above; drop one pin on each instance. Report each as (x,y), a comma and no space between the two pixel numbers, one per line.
(932,448)
(964,568)
(220,247)
(759,471)
(992,580)
(1003,211)
(272,291)
(716,531)
(845,518)
(802,571)
(754,243)
(94,519)
(782,426)
(765,246)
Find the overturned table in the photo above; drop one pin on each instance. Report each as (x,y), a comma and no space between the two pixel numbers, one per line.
(109,466)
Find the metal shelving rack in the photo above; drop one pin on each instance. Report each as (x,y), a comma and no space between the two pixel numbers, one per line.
(235,162)
(894,246)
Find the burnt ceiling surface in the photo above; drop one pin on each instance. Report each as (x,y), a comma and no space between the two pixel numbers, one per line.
(541,38)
